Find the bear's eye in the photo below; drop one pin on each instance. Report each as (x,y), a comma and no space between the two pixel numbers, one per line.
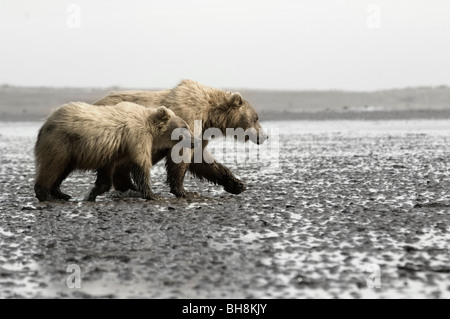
(256,118)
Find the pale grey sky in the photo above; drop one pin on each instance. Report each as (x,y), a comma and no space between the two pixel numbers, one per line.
(282,44)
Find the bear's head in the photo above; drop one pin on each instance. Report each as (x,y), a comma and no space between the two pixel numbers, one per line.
(165,122)
(238,113)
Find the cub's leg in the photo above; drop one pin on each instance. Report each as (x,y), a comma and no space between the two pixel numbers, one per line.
(42,193)
(52,171)
(121,175)
(175,177)
(102,184)
(141,176)
(121,178)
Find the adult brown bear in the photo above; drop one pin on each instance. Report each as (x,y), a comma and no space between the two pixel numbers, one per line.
(193,101)
(81,136)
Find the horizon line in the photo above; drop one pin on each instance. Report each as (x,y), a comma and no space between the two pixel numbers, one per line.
(124,88)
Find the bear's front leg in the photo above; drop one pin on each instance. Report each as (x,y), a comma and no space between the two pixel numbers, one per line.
(103,183)
(217,173)
(141,176)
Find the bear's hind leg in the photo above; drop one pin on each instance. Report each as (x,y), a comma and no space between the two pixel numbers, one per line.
(42,193)
(56,191)
(50,170)
(102,184)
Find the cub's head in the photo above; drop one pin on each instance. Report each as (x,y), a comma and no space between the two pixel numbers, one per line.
(165,122)
(237,113)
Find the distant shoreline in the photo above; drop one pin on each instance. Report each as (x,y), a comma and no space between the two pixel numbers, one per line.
(350,115)
(36,103)
(296,116)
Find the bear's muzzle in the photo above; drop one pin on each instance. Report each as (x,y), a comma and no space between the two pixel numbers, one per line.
(262,136)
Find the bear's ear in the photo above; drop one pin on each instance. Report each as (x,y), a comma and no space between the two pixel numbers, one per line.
(235,100)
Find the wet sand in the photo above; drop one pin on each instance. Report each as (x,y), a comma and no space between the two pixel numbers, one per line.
(350,199)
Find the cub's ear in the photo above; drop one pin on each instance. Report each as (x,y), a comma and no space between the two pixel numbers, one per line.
(160,118)
(235,100)
(162,114)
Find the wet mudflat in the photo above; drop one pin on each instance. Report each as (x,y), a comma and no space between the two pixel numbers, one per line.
(352,205)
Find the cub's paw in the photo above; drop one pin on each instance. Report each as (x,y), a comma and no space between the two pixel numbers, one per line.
(153,197)
(191,195)
(234,186)
(182,193)
(42,194)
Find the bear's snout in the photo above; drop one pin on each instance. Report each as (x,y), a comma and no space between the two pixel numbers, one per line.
(257,136)
(262,136)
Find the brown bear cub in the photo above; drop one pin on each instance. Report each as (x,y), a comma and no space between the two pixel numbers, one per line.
(191,101)
(81,136)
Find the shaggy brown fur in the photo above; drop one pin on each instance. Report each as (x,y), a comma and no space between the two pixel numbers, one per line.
(80,136)
(193,101)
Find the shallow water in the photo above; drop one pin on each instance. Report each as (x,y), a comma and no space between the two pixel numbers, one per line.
(347,198)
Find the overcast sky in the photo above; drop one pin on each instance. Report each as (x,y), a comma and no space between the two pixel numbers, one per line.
(282,44)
